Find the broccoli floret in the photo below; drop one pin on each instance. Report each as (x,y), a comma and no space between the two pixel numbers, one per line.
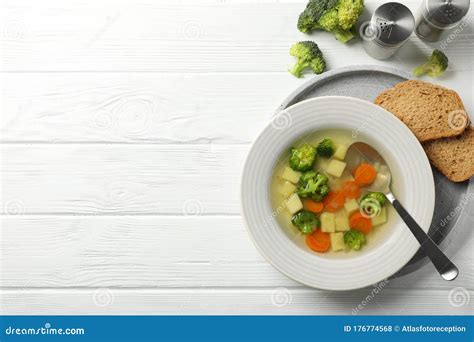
(313,11)
(313,185)
(336,16)
(434,67)
(354,239)
(305,221)
(378,196)
(326,148)
(349,12)
(309,56)
(306,20)
(302,158)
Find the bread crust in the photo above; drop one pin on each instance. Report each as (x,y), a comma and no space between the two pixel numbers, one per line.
(454,157)
(430,111)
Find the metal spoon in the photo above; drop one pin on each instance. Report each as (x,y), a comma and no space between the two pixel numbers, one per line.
(360,151)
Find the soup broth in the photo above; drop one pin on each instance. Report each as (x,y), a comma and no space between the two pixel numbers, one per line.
(284,197)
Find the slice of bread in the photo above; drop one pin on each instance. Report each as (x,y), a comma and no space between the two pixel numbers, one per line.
(454,157)
(430,111)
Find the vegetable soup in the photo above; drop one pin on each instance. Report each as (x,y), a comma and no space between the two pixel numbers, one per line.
(321,203)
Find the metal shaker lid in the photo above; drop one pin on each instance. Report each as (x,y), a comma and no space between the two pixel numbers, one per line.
(445,13)
(391,24)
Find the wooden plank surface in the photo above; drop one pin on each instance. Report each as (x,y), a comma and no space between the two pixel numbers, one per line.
(143,107)
(140,108)
(273,301)
(151,251)
(215,36)
(121,179)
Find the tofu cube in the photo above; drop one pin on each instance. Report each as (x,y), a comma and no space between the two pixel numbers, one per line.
(342,221)
(322,164)
(336,168)
(287,189)
(290,175)
(337,241)
(351,206)
(294,204)
(341,151)
(381,218)
(328,224)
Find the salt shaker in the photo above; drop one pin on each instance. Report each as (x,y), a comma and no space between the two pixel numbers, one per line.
(389,28)
(437,15)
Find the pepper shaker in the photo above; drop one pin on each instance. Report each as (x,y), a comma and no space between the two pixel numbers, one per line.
(437,15)
(389,28)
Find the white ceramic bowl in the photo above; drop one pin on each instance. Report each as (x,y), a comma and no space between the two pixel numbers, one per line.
(369,123)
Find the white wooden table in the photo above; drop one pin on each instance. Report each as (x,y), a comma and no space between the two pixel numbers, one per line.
(124,125)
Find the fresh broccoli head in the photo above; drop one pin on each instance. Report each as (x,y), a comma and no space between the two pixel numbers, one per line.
(313,11)
(309,56)
(326,148)
(302,158)
(378,196)
(354,239)
(313,185)
(335,16)
(305,221)
(434,66)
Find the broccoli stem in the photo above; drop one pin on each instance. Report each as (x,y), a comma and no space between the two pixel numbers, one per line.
(343,36)
(421,70)
(298,68)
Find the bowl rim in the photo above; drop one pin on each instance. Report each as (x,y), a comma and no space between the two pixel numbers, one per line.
(424,160)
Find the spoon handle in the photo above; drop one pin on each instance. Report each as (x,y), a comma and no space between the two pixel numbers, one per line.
(445,267)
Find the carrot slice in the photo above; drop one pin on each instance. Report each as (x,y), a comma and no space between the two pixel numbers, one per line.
(315,207)
(319,241)
(350,189)
(334,201)
(365,174)
(361,223)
